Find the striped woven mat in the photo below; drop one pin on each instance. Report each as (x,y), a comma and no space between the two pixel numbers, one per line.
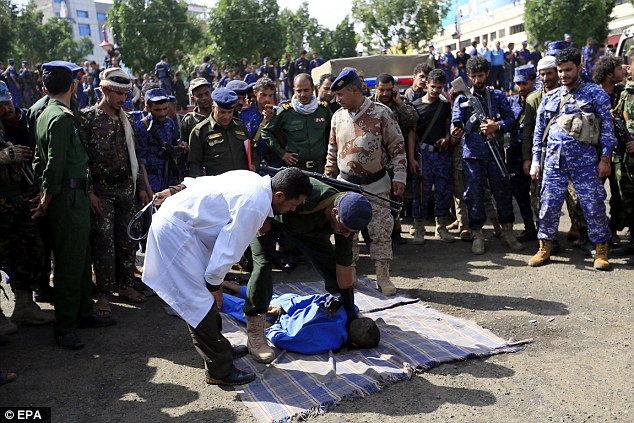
(414,338)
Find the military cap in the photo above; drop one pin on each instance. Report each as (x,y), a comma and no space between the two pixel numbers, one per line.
(345,78)
(11,61)
(171,99)
(547,62)
(566,35)
(354,210)
(198,82)
(57,66)
(525,42)
(5,94)
(536,44)
(364,333)
(555,47)
(266,59)
(524,73)
(224,98)
(156,94)
(25,62)
(237,86)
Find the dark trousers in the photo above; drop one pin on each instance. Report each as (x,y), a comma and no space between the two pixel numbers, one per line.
(212,346)
(69,218)
(520,182)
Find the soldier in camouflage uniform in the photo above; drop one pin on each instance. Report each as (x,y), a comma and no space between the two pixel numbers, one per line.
(571,157)
(157,142)
(21,252)
(360,148)
(108,136)
(200,92)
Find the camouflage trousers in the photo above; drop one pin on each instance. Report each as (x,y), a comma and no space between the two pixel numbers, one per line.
(572,203)
(625,179)
(113,252)
(21,250)
(379,229)
(590,191)
(458,192)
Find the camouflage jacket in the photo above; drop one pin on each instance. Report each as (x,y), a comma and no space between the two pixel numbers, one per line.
(190,120)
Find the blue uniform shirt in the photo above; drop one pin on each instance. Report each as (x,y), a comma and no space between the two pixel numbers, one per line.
(589,98)
(252,119)
(497,57)
(473,144)
(152,153)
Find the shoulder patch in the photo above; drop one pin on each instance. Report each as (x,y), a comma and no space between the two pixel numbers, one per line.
(323,103)
(212,136)
(241,133)
(67,110)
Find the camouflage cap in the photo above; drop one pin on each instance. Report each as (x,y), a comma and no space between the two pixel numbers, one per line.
(198,82)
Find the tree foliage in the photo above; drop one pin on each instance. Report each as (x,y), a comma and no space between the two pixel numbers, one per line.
(145,29)
(401,23)
(25,36)
(548,20)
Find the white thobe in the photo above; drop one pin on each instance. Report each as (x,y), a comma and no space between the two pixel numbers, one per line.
(199,233)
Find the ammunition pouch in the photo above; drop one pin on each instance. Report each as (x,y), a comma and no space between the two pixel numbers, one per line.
(583,126)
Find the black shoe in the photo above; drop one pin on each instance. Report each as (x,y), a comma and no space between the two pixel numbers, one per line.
(398,239)
(236,377)
(527,235)
(96,321)
(238,351)
(44,295)
(69,341)
(554,247)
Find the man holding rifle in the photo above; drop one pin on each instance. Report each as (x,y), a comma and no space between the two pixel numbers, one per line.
(482,151)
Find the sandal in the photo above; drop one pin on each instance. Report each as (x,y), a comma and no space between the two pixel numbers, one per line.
(132,295)
(102,307)
(7,377)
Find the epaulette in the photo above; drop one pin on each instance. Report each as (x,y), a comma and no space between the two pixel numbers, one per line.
(323,103)
(67,110)
(286,105)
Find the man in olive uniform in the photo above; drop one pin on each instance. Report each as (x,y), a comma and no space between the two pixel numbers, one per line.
(298,133)
(218,143)
(108,136)
(309,228)
(64,200)
(200,93)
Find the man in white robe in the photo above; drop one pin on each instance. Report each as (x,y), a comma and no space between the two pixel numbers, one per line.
(195,238)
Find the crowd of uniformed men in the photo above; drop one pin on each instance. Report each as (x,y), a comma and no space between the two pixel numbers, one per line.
(84,173)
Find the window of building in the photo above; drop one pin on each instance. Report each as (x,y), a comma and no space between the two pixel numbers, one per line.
(84,29)
(57,1)
(101,16)
(492,36)
(452,47)
(82,13)
(485,37)
(501,33)
(516,28)
(465,43)
(477,39)
(57,14)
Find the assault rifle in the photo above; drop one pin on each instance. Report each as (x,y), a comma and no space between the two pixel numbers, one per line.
(338,184)
(479,117)
(622,136)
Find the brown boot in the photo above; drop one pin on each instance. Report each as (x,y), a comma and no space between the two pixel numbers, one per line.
(419,232)
(509,239)
(441,230)
(542,255)
(383,281)
(257,343)
(26,311)
(601,256)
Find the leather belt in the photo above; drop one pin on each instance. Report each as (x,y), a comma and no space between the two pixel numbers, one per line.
(364,180)
(78,183)
(309,164)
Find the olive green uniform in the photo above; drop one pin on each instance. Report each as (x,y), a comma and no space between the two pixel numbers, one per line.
(62,162)
(306,135)
(214,150)
(307,228)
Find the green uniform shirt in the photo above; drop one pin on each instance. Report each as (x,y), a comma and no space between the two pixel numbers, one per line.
(533,100)
(292,132)
(310,220)
(216,148)
(58,149)
(189,121)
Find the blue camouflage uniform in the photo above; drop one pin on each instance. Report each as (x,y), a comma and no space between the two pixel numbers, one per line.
(165,74)
(588,55)
(569,159)
(448,65)
(252,119)
(153,153)
(478,163)
(12,76)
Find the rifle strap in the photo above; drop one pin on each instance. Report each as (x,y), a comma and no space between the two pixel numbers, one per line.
(432,122)
(562,103)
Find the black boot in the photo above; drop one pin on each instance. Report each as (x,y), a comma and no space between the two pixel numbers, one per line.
(347,298)
(529,233)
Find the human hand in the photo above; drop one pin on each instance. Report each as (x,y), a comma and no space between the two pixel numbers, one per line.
(291,158)
(526,166)
(603,169)
(96,205)
(629,147)
(218,297)
(398,188)
(143,197)
(535,172)
(457,132)
(42,205)
(489,127)
(414,167)
(15,154)
(161,197)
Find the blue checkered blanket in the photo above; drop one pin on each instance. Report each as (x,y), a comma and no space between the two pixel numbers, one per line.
(414,338)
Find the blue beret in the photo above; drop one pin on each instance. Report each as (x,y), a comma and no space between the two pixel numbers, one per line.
(354,210)
(5,94)
(237,86)
(11,61)
(156,94)
(536,44)
(555,47)
(566,35)
(524,73)
(24,62)
(345,78)
(525,42)
(171,99)
(224,98)
(266,59)
(60,66)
